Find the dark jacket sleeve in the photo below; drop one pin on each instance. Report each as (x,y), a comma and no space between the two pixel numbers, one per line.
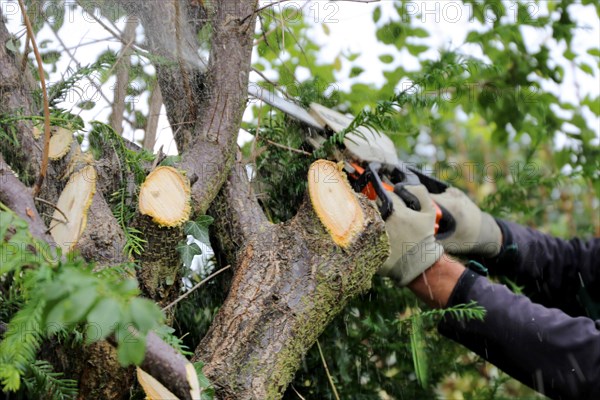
(544,348)
(554,272)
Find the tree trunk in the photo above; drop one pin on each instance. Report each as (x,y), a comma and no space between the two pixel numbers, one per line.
(290,281)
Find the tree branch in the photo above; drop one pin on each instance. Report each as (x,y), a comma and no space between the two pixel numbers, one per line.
(156,102)
(238,216)
(16,196)
(123,66)
(290,281)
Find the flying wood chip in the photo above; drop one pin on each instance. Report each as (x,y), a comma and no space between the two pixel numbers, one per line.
(165,196)
(74,202)
(335,202)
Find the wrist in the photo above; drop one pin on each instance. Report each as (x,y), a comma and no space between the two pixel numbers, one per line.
(436,284)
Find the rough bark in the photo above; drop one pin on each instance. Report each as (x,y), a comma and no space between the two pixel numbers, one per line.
(204,101)
(123,66)
(290,281)
(15,100)
(96,367)
(237,214)
(16,196)
(154,107)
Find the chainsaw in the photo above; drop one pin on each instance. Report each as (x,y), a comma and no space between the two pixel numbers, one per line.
(370,160)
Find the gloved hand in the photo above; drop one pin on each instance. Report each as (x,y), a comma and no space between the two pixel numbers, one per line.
(413,247)
(476,232)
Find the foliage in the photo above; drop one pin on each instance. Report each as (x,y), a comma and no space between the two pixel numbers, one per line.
(103,138)
(52,294)
(491,125)
(41,379)
(207,390)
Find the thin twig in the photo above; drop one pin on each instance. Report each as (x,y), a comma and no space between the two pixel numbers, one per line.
(54,219)
(38,57)
(72,57)
(282,146)
(25,55)
(258,10)
(295,391)
(196,286)
(53,206)
(270,82)
(335,393)
(116,35)
(279,22)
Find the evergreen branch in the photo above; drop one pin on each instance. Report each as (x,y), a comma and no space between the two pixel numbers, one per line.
(41,381)
(461,312)
(21,342)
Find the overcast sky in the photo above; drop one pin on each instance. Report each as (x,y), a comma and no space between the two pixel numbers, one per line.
(350,29)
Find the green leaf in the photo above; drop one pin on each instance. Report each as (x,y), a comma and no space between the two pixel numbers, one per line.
(594,52)
(386,58)
(390,32)
(102,319)
(417,346)
(199,228)
(356,71)
(51,57)
(10,377)
(586,68)
(12,46)
(145,314)
(208,391)
(337,63)
(131,347)
(86,105)
(593,104)
(415,50)
(70,310)
(187,253)
(419,32)
(376,14)
(569,55)
(128,287)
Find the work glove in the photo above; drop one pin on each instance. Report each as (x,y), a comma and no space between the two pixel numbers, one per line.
(475,233)
(413,246)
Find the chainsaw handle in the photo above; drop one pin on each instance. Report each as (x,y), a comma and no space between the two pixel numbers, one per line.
(441,219)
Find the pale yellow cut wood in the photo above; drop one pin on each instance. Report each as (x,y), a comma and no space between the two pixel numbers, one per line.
(335,202)
(154,389)
(60,143)
(165,196)
(74,202)
(192,378)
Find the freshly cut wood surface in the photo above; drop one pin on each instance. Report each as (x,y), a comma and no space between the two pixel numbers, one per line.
(74,202)
(154,389)
(165,196)
(335,202)
(60,143)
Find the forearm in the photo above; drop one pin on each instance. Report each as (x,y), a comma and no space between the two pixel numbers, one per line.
(436,284)
(551,270)
(544,348)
